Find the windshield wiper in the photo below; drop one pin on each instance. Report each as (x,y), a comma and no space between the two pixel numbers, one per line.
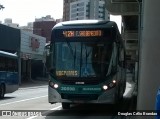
(87,55)
(71,50)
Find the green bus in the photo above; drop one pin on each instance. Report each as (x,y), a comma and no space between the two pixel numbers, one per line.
(86,63)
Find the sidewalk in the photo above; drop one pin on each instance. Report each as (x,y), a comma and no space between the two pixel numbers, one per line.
(32,83)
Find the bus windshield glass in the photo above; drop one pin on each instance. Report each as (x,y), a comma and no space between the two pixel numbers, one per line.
(82,59)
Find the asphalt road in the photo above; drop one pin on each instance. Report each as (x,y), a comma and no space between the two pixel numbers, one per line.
(30,101)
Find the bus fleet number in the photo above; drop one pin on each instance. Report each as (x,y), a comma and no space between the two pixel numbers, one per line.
(68,89)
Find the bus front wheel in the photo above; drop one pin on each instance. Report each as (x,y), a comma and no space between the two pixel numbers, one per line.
(65,105)
(2,91)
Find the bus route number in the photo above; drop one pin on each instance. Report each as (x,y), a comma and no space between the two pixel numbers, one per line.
(83,33)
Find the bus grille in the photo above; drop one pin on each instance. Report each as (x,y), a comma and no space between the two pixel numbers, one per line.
(80,96)
(86,82)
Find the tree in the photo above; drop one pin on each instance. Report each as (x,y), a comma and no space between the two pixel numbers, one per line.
(1,7)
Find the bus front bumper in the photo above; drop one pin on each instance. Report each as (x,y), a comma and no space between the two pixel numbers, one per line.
(107,97)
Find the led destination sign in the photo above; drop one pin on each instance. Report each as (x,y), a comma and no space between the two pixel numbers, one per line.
(83,33)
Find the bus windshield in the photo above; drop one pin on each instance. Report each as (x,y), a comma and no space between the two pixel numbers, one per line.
(82,59)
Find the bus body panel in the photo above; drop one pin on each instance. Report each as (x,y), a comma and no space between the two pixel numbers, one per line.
(11,88)
(10,80)
(107,97)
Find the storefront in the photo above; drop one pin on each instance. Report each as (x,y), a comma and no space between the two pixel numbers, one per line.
(31,52)
(29,48)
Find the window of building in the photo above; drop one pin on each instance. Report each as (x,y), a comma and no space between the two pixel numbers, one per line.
(73,10)
(101,9)
(74,6)
(73,15)
(80,9)
(81,4)
(81,18)
(101,15)
(81,14)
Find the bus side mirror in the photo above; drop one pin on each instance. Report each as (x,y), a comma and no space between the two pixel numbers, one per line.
(46,57)
(47,50)
(51,70)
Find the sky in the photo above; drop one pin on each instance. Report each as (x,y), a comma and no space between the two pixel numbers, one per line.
(24,11)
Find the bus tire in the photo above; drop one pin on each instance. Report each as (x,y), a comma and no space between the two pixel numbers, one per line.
(65,105)
(2,91)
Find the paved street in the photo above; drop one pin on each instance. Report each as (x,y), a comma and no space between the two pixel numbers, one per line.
(34,98)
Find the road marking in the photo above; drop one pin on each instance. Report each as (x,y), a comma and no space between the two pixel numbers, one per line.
(33,87)
(56,108)
(45,112)
(24,100)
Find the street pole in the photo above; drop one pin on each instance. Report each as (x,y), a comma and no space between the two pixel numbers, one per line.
(149,76)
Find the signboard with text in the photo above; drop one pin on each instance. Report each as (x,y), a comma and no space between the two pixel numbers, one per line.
(32,46)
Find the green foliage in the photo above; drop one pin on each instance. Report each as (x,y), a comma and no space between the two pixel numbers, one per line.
(1,7)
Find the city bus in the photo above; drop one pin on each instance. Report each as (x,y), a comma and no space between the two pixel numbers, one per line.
(86,63)
(9,81)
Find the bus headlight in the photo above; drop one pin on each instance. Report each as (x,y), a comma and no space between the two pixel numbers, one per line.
(105,87)
(53,85)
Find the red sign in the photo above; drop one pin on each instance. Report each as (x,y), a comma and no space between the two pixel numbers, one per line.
(34,43)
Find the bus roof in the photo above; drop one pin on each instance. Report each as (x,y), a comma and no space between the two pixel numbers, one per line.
(7,54)
(84,23)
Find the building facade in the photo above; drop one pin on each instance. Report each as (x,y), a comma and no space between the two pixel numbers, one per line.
(85,9)
(31,53)
(9,39)
(66,9)
(43,27)
(8,22)
(28,28)
(28,46)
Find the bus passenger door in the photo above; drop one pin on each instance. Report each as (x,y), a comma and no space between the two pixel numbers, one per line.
(121,63)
